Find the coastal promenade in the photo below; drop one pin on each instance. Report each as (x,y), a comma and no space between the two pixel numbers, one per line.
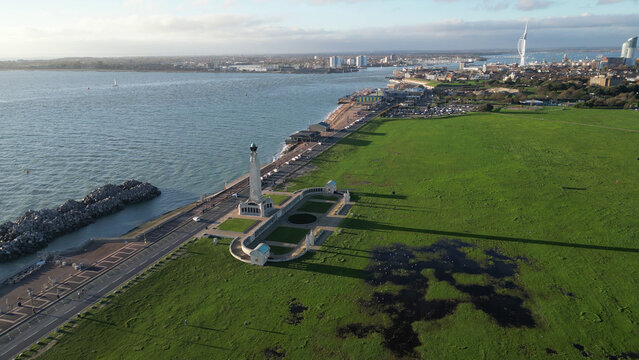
(162,240)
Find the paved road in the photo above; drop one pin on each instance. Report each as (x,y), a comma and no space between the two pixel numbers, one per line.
(164,239)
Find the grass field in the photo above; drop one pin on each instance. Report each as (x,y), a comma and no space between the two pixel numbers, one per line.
(325,197)
(277,199)
(509,235)
(287,234)
(237,224)
(280,250)
(315,207)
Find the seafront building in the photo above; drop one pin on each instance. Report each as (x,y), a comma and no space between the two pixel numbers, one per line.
(361,61)
(628,51)
(334,62)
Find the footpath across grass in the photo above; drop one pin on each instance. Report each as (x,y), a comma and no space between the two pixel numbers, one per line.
(507,235)
(237,224)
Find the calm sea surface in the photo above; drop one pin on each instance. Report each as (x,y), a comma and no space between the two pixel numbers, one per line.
(187,133)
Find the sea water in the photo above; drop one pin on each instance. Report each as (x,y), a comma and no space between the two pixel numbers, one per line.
(64,133)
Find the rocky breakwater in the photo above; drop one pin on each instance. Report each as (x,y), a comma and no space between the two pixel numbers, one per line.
(36,228)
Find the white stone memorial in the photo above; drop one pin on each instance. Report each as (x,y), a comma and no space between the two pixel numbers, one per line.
(309,240)
(256,205)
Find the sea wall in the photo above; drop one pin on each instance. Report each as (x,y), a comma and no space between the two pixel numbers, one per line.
(36,228)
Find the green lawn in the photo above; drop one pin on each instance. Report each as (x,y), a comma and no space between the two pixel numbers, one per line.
(287,234)
(237,224)
(277,199)
(508,236)
(280,250)
(315,207)
(325,197)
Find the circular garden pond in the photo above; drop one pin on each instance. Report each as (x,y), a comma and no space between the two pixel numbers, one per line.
(302,218)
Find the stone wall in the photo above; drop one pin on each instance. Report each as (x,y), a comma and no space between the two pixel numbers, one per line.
(36,228)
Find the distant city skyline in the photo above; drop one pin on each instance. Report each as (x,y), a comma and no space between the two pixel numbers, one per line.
(40,29)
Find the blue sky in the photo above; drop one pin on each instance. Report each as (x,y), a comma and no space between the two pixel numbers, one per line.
(37,28)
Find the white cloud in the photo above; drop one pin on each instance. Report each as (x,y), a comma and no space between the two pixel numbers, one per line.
(240,33)
(527,5)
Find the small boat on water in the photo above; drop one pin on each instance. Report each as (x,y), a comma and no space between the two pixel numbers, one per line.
(115,83)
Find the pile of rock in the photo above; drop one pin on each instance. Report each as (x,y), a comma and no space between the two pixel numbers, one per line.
(36,228)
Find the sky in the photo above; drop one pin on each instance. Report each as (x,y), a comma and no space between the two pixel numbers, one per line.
(60,28)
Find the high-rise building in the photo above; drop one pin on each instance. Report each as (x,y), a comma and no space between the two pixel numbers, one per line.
(334,62)
(521,47)
(628,51)
(361,61)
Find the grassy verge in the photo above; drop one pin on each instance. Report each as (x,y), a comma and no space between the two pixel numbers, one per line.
(237,224)
(277,198)
(280,250)
(325,197)
(315,207)
(479,236)
(287,234)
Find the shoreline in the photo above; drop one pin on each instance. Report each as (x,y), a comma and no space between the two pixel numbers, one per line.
(334,118)
(112,263)
(327,72)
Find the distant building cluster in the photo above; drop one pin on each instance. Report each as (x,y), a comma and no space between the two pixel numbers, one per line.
(335,62)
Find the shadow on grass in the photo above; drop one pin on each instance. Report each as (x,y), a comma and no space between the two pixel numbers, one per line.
(321,268)
(195,252)
(394,207)
(345,248)
(371,133)
(204,328)
(321,160)
(355,142)
(383,196)
(119,328)
(267,331)
(359,224)
(343,254)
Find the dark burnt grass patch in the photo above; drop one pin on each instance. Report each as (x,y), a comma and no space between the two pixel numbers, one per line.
(581,349)
(499,296)
(295,309)
(624,356)
(274,352)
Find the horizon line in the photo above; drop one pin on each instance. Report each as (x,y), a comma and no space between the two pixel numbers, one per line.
(328,53)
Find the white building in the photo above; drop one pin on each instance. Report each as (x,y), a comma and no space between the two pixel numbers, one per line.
(628,51)
(260,254)
(334,62)
(361,61)
(330,187)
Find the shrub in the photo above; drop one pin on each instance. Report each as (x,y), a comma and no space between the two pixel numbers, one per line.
(485,107)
